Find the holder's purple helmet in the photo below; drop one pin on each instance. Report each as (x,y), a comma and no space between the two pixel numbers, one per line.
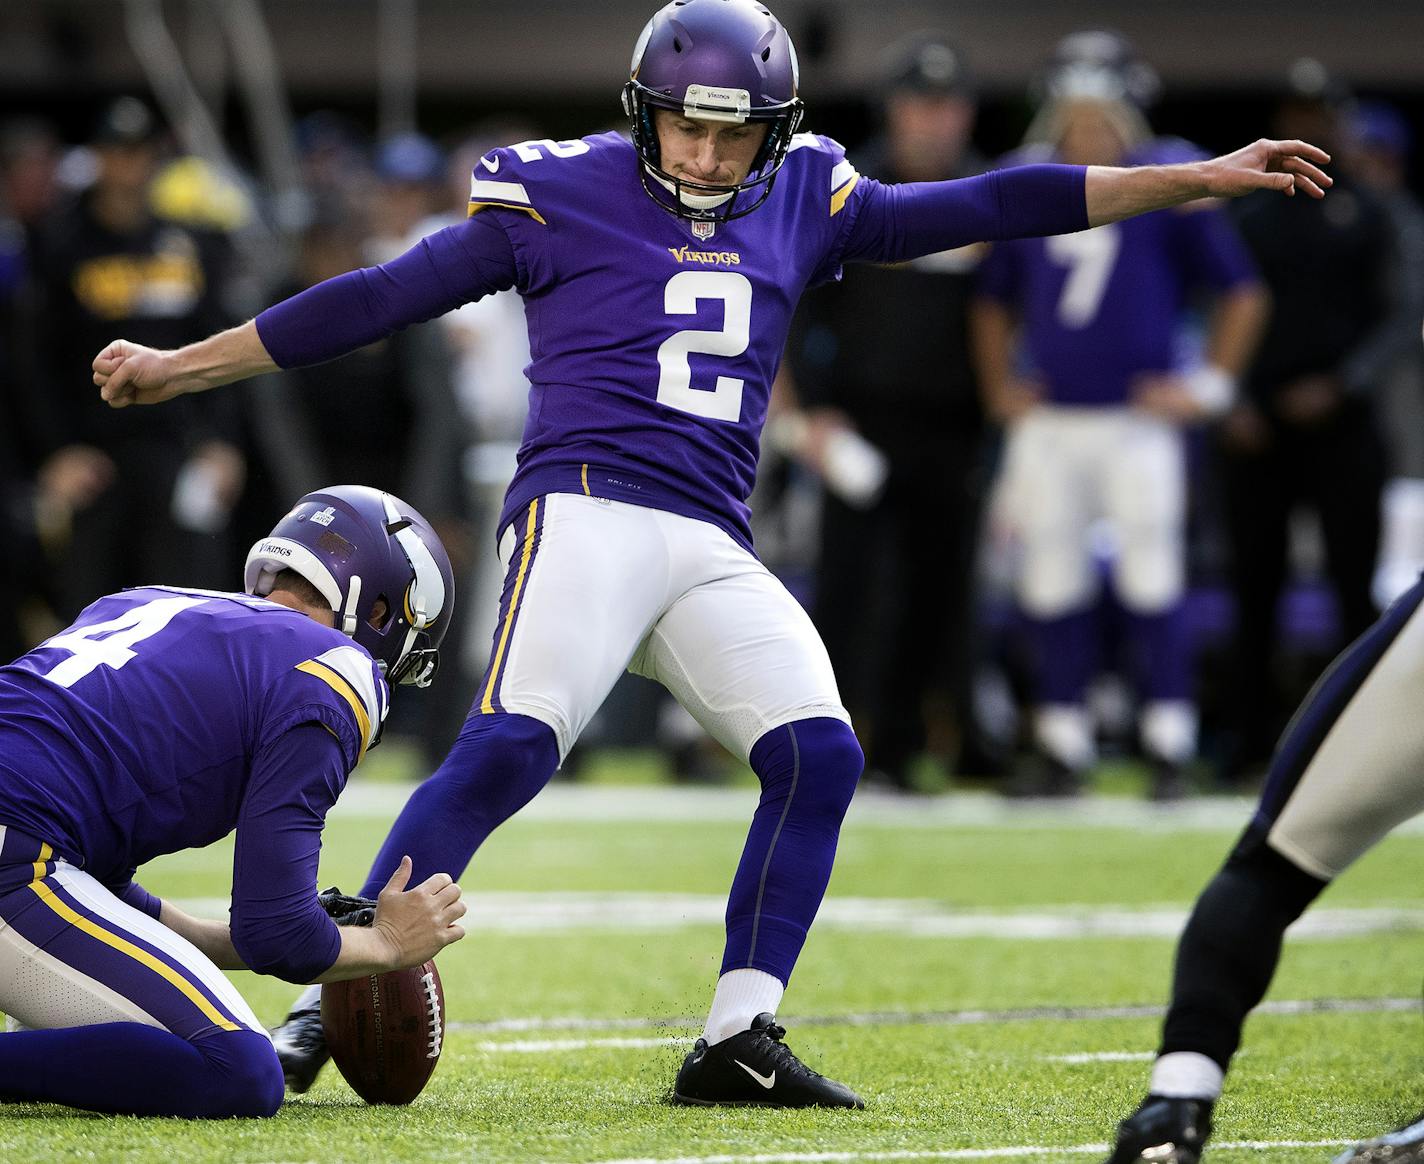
(715,60)
(356,545)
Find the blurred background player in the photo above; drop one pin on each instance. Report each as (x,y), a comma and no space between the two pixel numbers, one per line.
(892,597)
(626,529)
(1378,149)
(1079,345)
(1346,772)
(105,263)
(161,720)
(1303,434)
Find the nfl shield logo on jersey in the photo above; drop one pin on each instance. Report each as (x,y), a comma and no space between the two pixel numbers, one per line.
(703,228)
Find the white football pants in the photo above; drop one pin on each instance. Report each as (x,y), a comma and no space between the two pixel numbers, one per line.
(1066,468)
(595,587)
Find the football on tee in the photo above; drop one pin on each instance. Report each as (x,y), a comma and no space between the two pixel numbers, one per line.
(385,1031)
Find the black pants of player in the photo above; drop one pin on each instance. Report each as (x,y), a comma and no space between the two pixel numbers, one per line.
(1337,470)
(893,597)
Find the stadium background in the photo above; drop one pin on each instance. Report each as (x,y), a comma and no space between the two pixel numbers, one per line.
(989,976)
(560,62)
(238,81)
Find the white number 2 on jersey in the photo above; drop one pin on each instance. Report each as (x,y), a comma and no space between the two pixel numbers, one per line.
(681,296)
(1089,256)
(108,644)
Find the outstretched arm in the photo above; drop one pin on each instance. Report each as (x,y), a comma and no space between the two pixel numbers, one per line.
(451,267)
(1287,166)
(129,373)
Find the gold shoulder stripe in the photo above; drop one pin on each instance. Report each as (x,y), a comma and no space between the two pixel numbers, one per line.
(476,207)
(838,199)
(337,682)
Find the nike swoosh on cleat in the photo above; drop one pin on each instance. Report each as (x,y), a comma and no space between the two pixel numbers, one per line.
(491,166)
(767,1081)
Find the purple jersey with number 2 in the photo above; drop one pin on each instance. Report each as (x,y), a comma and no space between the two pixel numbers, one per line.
(654,345)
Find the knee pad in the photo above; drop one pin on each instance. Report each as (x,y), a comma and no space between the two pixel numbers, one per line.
(244,1076)
(820,757)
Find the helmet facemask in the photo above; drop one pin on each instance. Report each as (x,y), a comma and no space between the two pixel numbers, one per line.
(697,200)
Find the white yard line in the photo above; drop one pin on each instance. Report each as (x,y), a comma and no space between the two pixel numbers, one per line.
(1102,1057)
(871,807)
(565,912)
(950,1018)
(561,1046)
(545,1046)
(1021,1150)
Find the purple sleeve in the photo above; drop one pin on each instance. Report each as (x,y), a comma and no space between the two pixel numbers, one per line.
(900,222)
(278,927)
(449,268)
(140,898)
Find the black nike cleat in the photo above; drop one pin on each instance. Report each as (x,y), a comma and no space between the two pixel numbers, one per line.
(1403,1146)
(300,1044)
(1163,1130)
(756,1068)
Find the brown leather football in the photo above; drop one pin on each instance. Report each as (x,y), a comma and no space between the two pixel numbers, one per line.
(385,1032)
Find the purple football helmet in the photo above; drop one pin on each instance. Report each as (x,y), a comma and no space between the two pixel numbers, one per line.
(714,60)
(356,545)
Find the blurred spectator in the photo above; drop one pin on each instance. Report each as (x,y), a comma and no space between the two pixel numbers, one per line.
(29,162)
(106,265)
(1304,433)
(894,429)
(336,163)
(1379,145)
(1095,391)
(410,173)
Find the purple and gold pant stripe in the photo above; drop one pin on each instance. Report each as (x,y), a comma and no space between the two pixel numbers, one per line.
(515,585)
(70,929)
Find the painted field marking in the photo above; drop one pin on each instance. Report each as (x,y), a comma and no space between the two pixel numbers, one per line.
(541,1046)
(871,807)
(951,1018)
(1102,1057)
(1030,1150)
(617,912)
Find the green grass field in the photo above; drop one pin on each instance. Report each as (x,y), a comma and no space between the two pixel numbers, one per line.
(983,975)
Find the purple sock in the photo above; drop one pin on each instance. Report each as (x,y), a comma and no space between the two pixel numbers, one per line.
(808,771)
(1163,653)
(1066,653)
(133,1069)
(496,766)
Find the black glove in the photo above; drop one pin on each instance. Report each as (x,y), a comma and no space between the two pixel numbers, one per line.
(347,911)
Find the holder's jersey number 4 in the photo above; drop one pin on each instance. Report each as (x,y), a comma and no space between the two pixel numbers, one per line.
(681,296)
